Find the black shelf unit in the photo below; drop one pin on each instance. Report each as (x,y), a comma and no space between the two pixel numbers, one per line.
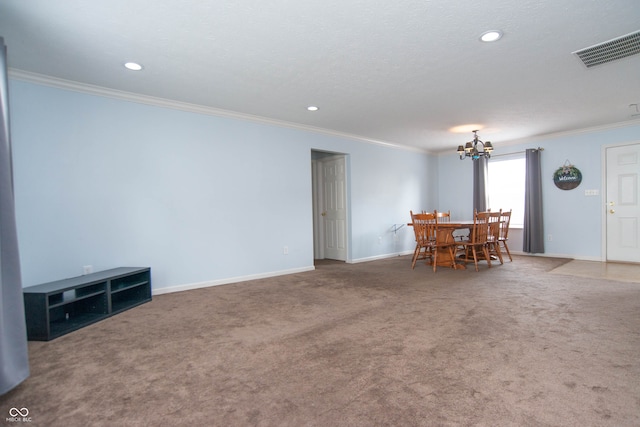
(57,308)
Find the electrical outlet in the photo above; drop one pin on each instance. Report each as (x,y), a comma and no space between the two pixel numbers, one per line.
(87,269)
(550,237)
(285,250)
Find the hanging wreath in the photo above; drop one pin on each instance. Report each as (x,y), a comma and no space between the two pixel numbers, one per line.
(567,177)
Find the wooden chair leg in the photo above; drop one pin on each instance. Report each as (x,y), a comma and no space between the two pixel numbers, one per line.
(475,256)
(496,247)
(506,247)
(435,259)
(485,251)
(416,253)
(452,254)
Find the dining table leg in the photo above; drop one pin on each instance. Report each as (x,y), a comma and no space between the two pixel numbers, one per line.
(445,257)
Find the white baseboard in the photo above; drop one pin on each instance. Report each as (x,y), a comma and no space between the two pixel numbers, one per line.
(230,280)
(378,257)
(576,257)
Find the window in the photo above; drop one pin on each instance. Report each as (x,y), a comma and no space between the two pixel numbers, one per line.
(506,187)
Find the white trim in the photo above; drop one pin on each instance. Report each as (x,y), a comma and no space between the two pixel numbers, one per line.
(55,82)
(603,201)
(545,137)
(316,203)
(42,79)
(190,286)
(379,257)
(578,257)
(547,255)
(603,195)
(534,140)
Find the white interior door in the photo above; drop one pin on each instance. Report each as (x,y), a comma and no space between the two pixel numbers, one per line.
(333,208)
(623,203)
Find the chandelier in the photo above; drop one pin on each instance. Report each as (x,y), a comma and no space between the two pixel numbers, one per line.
(471,148)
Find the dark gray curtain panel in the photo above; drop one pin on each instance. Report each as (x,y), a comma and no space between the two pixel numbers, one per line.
(480,171)
(14,361)
(533,232)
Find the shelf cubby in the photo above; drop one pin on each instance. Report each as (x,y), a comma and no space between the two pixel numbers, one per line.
(57,308)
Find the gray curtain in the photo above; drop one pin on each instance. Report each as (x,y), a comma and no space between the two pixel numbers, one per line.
(533,232)
(480,171)
(14,361)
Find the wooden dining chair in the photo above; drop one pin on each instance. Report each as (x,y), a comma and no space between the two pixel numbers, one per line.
(443,216)
(477,242)
(422,250)
(505,220)
(493,237)
(430,240)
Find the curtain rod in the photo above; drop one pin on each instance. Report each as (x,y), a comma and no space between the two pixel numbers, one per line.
(516,152)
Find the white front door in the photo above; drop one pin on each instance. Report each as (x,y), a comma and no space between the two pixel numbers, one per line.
(623,203)
(333,208)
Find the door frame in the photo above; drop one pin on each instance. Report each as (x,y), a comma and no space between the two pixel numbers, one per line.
(603,195)
(317,192)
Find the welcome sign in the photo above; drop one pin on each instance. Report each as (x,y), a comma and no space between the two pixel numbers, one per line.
(567,177)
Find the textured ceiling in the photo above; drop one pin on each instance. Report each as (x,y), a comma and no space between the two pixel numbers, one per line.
(401,72)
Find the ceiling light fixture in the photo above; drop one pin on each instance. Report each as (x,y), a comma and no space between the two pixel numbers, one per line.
(471,148)
(312,108)
(133,66)
(491,36)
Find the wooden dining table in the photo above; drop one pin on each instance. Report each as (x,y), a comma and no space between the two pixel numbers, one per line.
(445,235)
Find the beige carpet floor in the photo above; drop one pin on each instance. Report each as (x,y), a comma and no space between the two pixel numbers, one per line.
(371,344)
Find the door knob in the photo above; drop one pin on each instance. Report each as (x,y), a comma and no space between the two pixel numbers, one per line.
(612,211)
(324,213)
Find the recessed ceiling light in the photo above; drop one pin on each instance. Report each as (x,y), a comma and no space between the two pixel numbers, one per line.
(312,108)
(491,36)
(133,66)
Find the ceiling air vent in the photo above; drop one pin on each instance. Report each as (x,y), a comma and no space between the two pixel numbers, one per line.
(611,50)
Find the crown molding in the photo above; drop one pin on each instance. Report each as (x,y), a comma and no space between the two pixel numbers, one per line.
(573,132)
(535,139)
(86,88)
